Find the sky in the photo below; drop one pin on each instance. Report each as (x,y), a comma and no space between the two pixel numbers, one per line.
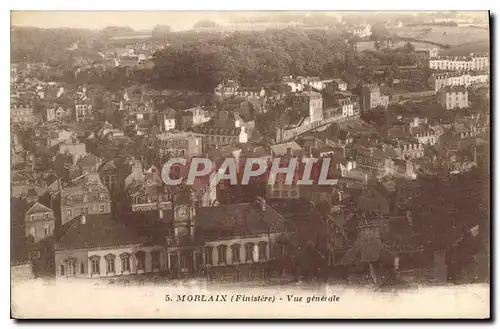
(138,20)
(97,20)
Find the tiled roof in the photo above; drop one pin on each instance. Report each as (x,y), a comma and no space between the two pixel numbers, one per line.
(281,149)
(98,231)
(237,220)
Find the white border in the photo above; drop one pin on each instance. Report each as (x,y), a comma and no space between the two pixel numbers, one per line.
(192,5)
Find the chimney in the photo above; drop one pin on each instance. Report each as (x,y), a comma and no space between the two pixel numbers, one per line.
(160,213)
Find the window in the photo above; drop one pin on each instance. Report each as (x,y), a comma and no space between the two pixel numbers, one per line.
(110,263)
(46,215)
(62,269)
(72,267)
(283,250)
(125,262)
(33,231)
(82,268)
(95,266)
(249,252)
(155,260)
(221,253)
(101,208)
(262,250)
(47,229)
(235,252)
(140,260)
(69,214)
(208,255)
(32,217)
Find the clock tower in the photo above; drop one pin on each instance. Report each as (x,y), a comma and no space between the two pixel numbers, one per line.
(184,213)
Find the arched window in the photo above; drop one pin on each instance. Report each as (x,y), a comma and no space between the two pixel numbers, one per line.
(140,258)
(71,266)
(208,255)
(235,253)
(110,263)
(95,267)
(155,259)
(262,250)
(125,259)
(222,253)
(249,247)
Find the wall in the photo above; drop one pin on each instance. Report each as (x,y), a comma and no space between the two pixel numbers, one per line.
(83,256)
(242,241)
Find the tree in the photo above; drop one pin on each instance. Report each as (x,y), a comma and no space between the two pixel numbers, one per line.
(205,24)
(390,76)
(408,47)
(160,32)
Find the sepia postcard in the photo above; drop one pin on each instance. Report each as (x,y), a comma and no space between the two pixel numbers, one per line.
(265,164)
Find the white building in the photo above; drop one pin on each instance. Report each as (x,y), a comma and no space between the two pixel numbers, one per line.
(438,81)
(473,62)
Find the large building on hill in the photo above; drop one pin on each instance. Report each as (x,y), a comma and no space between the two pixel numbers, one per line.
(453,97)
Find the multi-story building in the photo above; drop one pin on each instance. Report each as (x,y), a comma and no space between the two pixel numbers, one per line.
(377,161)
(410,149)
(193,117)
(84,111)
(314,82)
(473,62)
(167,120)
(179,144)
(241,241)
(39,222)
(362,31)
(294,85)
(216,136)
(308,104)
(250,92)
(75,149)
(341,107)
(371,97)
(339,84)
(148,192)
(480,62)
(85,196)
(441,80)
(226,89)
(97,245)
(425,135)
(22,113)
(452,97)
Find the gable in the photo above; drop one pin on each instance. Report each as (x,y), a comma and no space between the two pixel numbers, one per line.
(37,208)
